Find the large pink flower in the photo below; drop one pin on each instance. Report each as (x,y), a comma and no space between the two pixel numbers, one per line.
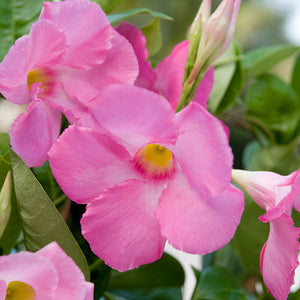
(167,78)
(71,53)
(48,274)
(277,195)
(147,175)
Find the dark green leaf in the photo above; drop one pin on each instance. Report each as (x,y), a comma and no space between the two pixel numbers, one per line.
(296,77)
(153,36)
(217,283)
(41,222)
(249,238)
(273,109)
(166,272)
(259,61)
(146,294)
(115,18)
(16,17)
(108,5)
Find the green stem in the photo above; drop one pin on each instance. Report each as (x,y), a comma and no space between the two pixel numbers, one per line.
(61,199)
(95,265)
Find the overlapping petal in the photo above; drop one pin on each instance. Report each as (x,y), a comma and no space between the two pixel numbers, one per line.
(197,224)
(68,288)
(133,34)
(85,162)
(29,52)
(170,72)
(33,133)
(85,49)
(34,270)
(121,227)
(202,150)
(279,256)
(135,115)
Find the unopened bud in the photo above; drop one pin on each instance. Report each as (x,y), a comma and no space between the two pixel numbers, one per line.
(5,203)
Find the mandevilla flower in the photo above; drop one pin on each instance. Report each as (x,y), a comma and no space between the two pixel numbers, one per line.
(277,195)
(148,174)
(166,79)
(48,274)
(71,53)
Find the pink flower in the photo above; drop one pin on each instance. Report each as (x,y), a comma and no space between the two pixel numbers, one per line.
(71,53)
(48,274)
(277,195)
(167,78)
(148,175)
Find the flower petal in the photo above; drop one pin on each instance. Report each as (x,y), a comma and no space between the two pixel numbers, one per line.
(170,72)
(279,257)
(204,88)
(30,52)
(69,287)
(121,227)
(33,133)
(203,151)
(136,38)
(87,30)
(137,116)
(120,66)
(197,224)
(3,286)
(32,269)
(84,163)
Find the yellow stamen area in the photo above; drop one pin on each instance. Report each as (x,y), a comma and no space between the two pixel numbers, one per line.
(155,160)
(18,290)
(40,75)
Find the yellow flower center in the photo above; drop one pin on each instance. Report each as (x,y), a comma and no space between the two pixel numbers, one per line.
(43,76)
(155,161)
(18,290)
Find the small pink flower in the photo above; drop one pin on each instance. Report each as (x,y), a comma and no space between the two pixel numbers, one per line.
(71,53)
(277,195)
(48,274)
(167,78)
(147,175)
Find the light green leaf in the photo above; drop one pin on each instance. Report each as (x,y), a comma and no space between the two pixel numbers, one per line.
(216,283)
(16,17)
(153,36)
(5,203)
(222,78)
(41,222)
(108,5)
(259,61)
(115,18)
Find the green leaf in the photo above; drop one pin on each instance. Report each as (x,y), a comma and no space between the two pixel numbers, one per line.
(166,272)
(282,159)
(259,61)
(223,75)
(5,203)
(108,5)
(216,283)
(41,222)
(235,86)
(5,165)
(295,83)
(146,294)
(250,237)
(273,109)
(16,17)
(115,18)
(153,36)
